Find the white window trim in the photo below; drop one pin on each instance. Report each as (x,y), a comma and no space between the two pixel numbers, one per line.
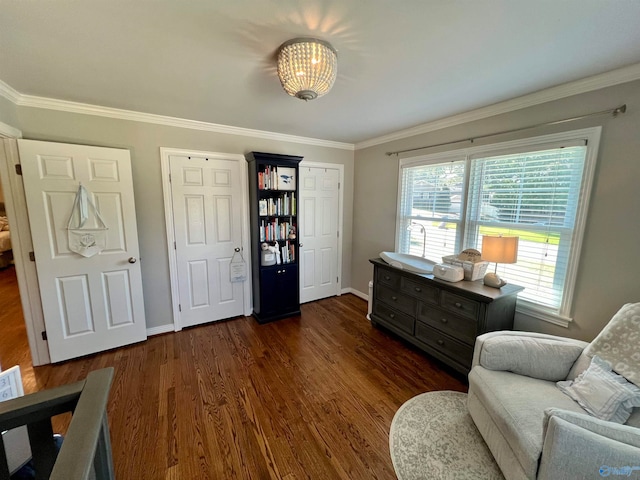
(592,137)
(443,157)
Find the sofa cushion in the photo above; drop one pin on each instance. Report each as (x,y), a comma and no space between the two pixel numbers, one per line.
(619,433)
(516,405)
(619,343)
(603,393)
(581,446)
(543,358)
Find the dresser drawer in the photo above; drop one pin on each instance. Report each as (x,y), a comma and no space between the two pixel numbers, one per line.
(395,318)
(460,352)
(461,306)
(419,290)
(389,278)
(464,329)
(398,301)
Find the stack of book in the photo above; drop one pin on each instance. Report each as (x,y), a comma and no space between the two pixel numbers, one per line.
(274,230)
(288,252)
(284,205)
(268,178)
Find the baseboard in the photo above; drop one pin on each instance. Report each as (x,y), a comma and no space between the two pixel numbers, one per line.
(355,292)
(159,330)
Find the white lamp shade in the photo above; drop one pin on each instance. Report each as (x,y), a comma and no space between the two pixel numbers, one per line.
(307,67)
(500,249)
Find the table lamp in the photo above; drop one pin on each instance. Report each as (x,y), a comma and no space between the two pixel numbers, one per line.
(498,249)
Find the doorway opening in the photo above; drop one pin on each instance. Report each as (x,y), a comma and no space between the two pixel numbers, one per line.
(14,343)
(28,298)
(14,346)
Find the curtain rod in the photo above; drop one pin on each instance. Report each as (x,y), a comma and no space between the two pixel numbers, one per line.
(612,111)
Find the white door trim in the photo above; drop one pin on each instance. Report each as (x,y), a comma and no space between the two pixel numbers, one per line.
(16,208)
(165,153)
(340,168)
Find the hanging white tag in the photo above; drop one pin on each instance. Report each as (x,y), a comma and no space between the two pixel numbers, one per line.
(237,268)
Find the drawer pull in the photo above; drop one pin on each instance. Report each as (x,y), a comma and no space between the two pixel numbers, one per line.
(418,289)
(394,298)
(387,277)
(392,315)
(458,305)
(444,320)
(440,342)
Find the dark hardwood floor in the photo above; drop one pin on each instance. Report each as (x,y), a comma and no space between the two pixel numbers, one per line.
(306,397)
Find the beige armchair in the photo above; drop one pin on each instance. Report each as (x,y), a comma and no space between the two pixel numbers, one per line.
(534,429)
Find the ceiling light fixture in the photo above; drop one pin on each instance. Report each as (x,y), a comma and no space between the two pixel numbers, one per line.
(307,67)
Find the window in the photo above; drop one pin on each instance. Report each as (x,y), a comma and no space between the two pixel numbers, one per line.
(537,189)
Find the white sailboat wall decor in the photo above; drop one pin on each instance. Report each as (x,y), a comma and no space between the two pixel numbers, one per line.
(85,240)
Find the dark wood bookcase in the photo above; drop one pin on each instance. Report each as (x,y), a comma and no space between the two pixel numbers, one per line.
(273,198)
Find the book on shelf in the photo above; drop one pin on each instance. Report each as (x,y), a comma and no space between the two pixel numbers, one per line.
(288,252)
(284,205)
(274,230)
(277,178)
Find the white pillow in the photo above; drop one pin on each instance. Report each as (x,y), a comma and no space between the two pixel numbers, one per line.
(603,393)
(619,343)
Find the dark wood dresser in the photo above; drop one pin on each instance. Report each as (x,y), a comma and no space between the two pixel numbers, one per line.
(439,317)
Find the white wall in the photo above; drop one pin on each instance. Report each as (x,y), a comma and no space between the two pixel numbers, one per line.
(8,112)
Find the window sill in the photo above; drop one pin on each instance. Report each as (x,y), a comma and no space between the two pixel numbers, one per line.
(538,312)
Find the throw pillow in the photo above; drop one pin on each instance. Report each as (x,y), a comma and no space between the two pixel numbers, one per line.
(603,393)
(543,358)
(619,343)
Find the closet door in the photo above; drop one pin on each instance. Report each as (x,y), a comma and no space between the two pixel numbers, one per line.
(207,215)
(319,214)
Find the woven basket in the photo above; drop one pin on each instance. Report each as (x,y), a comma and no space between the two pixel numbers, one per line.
(472,271)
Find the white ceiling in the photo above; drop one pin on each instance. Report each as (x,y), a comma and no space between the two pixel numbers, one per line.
(401,63)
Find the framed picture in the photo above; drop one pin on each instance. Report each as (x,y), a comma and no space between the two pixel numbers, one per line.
(286,178)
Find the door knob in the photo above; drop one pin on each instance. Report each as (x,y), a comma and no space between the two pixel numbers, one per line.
(301,245)
(133,259)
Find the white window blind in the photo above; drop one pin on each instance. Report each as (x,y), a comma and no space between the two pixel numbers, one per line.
(533,195)
(430,209)
(537,189)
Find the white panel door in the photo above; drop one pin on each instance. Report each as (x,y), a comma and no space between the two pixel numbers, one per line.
(90,304)
(207,212)
(318,232)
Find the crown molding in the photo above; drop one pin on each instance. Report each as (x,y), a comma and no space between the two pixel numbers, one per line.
(589,84)
(7,131)
(9,93)
(88,109)
(596,82)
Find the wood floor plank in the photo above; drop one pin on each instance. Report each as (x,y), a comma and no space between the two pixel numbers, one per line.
(307,397)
